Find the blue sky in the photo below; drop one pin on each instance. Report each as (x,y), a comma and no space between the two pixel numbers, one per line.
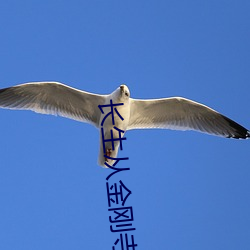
(189,190)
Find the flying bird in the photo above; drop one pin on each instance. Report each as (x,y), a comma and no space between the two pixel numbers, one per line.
(175,113)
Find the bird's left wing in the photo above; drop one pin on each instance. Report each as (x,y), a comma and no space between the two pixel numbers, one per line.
(182,114)
(53,98)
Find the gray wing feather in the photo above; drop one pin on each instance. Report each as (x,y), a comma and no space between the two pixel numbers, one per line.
(53,98)
(182,114)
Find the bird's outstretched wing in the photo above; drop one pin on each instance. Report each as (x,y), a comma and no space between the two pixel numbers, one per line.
(182,114)
(53,98)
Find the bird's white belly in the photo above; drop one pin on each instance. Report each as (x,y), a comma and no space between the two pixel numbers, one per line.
(108,126)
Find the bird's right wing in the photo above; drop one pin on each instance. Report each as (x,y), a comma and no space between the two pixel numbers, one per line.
(182,114)
(53,98)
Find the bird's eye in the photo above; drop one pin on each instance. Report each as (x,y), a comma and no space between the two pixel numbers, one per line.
(126,93)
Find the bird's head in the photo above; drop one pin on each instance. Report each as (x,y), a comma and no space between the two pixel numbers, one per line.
(121,94)
(124,91)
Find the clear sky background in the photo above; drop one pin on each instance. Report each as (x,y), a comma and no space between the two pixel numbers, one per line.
(189,190)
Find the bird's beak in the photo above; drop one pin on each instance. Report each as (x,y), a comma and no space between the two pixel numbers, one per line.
(122,88)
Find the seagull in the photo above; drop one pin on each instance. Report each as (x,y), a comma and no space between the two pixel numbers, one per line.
(175,113)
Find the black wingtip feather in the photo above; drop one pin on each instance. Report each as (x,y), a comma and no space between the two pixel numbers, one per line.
(239,131)
(3,90)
